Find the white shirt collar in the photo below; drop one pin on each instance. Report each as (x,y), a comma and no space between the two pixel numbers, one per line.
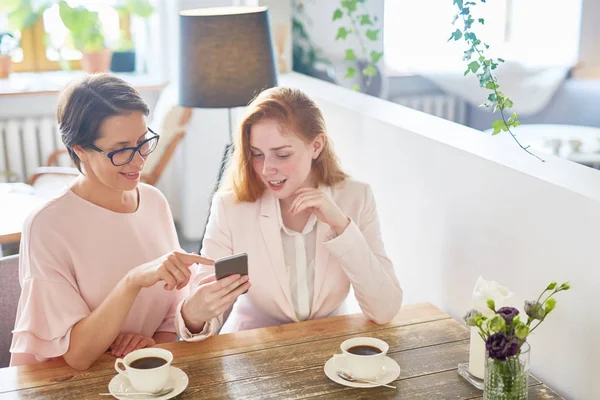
(310,224)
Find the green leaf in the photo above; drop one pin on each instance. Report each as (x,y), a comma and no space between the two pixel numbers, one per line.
(338,14)
(467,72)
(459,3)
(470,36)
(350,72)
(370,70)
(350,55)
(454,19)
(355,87)
(365,20)
(141,8)
(469,22)
(492,97)
(501,60)
(474,66)
(508,103)
(350,5)
(372,34)
(481,58)
(491,305)
(498,126)
(342,33)
(22,18)
(516,123)
(9,5)
(465,11)
(456,35)
(497,323)
(492,85)
(481,21)
(376,56)
(549,305)
(521,331)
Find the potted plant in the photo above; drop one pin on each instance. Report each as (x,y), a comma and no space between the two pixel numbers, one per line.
(87,36)
(22,14)
(123,59)
(505,334)
(8,44)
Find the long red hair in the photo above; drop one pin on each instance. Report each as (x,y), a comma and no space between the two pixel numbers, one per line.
(296,114)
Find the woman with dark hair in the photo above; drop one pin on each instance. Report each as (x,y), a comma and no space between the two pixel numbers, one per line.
(100,265)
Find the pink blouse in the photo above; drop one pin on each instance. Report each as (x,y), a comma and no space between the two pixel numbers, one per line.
(73,253)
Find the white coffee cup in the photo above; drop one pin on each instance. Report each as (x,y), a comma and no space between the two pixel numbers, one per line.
(362,366)
(146,380)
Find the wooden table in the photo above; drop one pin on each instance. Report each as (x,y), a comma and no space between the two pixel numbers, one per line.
(286,362)
(14,209)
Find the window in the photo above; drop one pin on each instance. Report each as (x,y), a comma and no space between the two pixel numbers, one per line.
(416,32)
(46,46)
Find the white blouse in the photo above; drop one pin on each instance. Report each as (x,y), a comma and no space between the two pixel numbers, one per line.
(299,256)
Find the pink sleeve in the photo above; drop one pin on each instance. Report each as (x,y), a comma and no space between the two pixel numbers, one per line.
(361,253)
(50,303)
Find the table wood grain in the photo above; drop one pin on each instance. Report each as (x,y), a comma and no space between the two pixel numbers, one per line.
(286,362)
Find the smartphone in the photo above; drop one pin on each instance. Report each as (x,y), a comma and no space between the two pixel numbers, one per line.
(231,265)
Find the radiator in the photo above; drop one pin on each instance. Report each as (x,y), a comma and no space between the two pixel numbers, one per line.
(25,144)
(443,106)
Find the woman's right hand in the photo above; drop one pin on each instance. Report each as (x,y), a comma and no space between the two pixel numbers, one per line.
(212,298)
(172,268)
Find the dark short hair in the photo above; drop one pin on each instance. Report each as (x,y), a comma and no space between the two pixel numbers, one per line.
(85,103)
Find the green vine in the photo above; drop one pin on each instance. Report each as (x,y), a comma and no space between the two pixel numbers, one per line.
(362,25)
(305,52)
(483,67)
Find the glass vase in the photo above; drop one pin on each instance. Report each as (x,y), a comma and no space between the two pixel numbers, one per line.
(509,379)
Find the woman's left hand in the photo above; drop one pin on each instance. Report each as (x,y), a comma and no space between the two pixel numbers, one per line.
(317,202)
(125,343)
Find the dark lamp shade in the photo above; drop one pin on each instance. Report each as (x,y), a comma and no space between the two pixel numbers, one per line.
(227,56)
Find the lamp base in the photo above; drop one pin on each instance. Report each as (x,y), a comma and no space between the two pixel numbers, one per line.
(463,370)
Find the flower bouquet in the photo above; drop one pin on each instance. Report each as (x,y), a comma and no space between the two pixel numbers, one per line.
(505,336)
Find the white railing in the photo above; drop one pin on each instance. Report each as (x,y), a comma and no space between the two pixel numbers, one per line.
(454,204)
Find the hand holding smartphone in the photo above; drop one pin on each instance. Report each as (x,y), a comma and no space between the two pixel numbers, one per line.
(231,265)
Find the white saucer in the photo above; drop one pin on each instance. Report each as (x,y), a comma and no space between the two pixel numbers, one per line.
(391,371)
(120,384)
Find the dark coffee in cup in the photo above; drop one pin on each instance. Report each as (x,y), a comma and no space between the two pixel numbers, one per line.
(364,350)
(148,363)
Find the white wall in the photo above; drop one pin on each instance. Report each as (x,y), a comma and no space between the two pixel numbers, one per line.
(455,204)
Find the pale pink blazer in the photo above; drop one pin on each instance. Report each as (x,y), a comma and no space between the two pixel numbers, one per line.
(356,257)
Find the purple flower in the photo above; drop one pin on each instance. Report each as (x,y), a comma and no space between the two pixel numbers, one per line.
(499,347)
(508,313)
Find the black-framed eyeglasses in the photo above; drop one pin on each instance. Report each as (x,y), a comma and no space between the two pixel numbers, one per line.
(123,156)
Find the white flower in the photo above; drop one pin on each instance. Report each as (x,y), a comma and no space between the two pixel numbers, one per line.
(485,290)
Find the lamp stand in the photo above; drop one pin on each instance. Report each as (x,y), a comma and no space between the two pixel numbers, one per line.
(228,150)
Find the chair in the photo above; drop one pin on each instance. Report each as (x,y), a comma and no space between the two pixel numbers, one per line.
(170,121)
(10,290)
